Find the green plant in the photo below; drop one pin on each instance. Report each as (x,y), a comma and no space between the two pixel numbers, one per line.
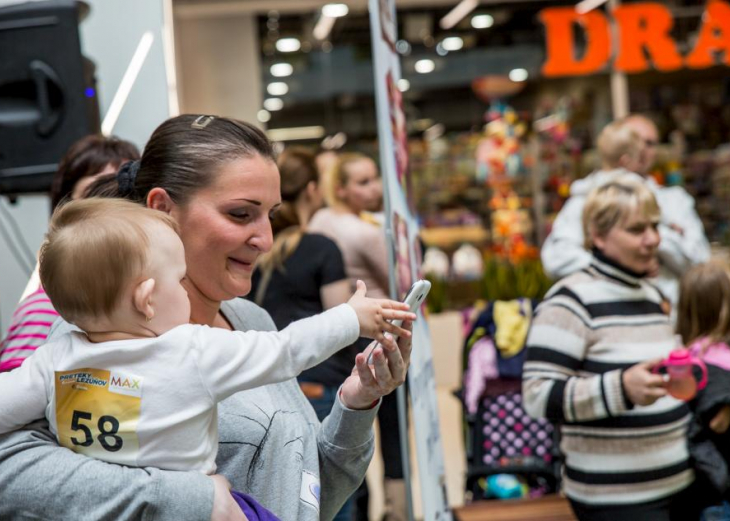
(507,280)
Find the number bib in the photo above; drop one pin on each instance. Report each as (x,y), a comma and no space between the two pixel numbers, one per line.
(97,413)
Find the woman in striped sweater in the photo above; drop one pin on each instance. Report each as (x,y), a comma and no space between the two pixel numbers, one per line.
(591,350)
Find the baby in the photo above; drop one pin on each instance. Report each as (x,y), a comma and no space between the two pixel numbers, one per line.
(139,386)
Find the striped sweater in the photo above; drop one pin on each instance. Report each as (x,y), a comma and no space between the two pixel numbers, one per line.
(593,325)
(28,329)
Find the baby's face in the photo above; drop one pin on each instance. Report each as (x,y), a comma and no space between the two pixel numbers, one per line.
(167,267)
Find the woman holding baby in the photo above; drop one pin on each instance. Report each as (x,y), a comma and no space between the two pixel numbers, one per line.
(217,178)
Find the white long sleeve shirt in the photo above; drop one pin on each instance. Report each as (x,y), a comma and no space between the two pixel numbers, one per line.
(152,401)
(563,252)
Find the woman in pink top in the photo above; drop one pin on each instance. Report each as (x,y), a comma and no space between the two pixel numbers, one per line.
(84,161)
(351,189)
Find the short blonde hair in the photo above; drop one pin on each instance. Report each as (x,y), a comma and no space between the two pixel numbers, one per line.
(704,303)
(93,250)
(616,140)
(611,203)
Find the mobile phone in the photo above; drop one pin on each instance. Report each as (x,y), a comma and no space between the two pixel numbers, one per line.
(414,298)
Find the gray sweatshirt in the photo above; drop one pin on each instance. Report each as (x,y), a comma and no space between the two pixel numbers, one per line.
(271,446)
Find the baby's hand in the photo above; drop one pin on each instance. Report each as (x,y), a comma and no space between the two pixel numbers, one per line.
(374,314)
(721,421)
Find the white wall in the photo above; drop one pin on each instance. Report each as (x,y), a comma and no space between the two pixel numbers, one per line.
(109,37)
(30,213)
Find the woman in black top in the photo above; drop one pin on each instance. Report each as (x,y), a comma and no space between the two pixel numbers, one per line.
(303,275)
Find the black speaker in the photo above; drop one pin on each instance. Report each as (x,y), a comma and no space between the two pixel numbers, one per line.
(47,91)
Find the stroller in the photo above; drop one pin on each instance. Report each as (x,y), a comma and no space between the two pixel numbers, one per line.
(500,437)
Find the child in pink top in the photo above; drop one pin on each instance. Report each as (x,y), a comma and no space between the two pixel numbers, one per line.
(703,322)
(28,329)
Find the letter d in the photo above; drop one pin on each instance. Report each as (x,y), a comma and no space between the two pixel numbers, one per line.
(560,43)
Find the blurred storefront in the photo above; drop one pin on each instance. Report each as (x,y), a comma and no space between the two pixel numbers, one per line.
(500,119)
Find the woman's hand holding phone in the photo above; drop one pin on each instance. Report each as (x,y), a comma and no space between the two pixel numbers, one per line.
(413,299)
(378,316)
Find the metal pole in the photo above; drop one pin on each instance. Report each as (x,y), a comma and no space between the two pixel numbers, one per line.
(405,446)
(619,82)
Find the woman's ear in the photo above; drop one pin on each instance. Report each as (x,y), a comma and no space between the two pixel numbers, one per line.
(313,192)
(340,192)
(159,199)
(624,160)
(142,298)
(312,188)
(598,241)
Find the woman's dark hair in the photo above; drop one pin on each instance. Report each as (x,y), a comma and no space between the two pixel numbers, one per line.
(182,156)
(88,156)
(298,168)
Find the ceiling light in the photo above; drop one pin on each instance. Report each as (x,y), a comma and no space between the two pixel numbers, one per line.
(588,5)
(128,80)
(323,27)
(273,104)
(434,132)
(425,66)
(403,47)
(278,88)
(334,10)
(334,142)
(281,70)
(518,75)
(482,21)
(452,43)
(455,16)
(403,85)
(288,45)
(296,133)
(263,116)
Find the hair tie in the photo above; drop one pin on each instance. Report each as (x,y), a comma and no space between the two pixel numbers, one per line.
(126,177)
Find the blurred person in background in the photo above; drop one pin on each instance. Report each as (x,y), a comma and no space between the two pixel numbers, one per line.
(629,146)
(353,188)
(303,275)
(591,351)
(87,159)
(353,192)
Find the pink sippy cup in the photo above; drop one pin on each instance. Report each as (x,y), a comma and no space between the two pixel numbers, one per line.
(682,384)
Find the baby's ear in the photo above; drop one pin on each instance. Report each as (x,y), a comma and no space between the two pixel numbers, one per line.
(143,298)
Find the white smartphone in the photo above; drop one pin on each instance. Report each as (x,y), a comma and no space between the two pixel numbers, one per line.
(414,298)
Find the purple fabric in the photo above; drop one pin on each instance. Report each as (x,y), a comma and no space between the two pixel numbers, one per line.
(253,510)
(482,367)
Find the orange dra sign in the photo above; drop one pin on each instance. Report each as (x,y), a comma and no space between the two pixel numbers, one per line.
(643,39)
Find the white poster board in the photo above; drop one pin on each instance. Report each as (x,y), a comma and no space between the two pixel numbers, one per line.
(402,233)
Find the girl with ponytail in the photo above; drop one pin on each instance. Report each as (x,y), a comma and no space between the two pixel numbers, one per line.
(303,274)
